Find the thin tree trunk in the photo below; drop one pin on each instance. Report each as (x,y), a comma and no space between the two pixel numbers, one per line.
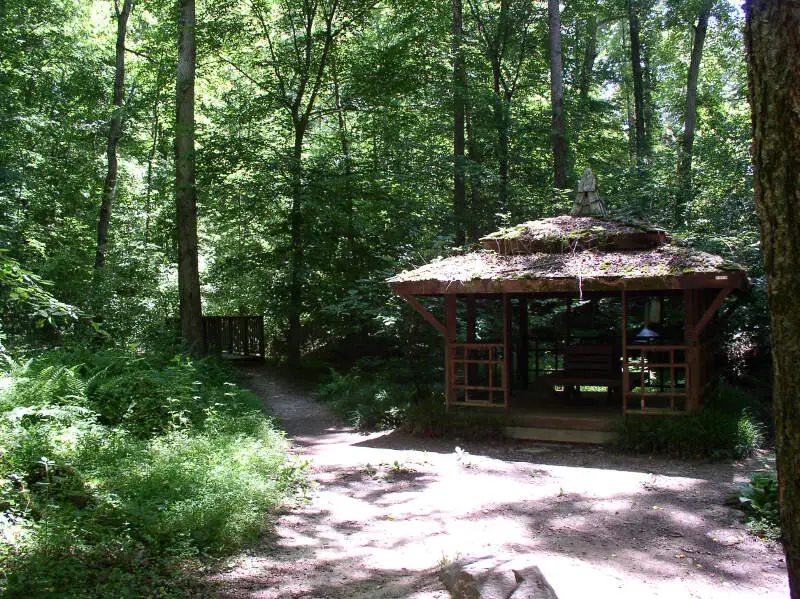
(690,115)
(114,133)
(638,82)
(350,233)
(191,315)
(773,50)
(459,85)
(296,251)
(628,108)
(151,155)
(557,134)
(585,78)
(476,196)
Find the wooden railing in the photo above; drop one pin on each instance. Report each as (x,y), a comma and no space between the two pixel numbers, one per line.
(656,379)
(478,375)
(237,335)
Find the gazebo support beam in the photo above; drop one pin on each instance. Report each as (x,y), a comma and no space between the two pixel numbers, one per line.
(712,309)
(414,302)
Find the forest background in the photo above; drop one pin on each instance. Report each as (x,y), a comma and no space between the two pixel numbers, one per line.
(326,161)
(325,150)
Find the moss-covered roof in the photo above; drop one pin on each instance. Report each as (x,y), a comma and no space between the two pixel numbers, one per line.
(566,253)
(563,233)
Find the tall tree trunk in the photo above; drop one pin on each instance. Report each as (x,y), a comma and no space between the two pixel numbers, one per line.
(350,233)
(557,133)
(773,50)
(690,116)
(476,195)
(585,78)
(638,82)
(294,338)
(459,93)
(501,126)
(114,133)
(151,156)
(191,315)
(628,108)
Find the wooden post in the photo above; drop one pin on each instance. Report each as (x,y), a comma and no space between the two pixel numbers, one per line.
(522,352)
(261,345)
(694,382)
(449,353)
(625,376)
(506,348)
(471,370)
(246,335)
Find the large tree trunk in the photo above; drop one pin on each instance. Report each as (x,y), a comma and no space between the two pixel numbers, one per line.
(459,93)
(638,82)
(191,315)
(557,134)
(690,115)
(585,78)
(773,49)
(114,133)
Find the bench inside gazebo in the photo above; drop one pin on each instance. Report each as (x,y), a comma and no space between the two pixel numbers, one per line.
(576,314)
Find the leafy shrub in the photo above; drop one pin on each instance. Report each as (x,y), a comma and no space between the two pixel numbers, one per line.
(98,504)
(383,400)
(724,429)
(378,404)
(759,501)
(145,394)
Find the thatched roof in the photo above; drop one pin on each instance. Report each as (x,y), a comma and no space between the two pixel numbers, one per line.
(569,253)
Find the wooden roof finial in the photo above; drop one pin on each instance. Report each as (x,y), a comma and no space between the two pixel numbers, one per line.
(587,200)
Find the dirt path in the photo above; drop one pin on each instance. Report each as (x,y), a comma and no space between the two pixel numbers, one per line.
(388,510)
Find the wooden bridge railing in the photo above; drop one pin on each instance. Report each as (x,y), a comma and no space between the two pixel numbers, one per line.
(242,335)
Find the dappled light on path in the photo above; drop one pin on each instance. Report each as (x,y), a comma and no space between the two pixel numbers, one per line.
(389,510)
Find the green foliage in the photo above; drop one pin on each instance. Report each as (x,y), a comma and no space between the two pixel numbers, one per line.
(366,404)
(98,506)
(382,397)
(758,499)
(725,429)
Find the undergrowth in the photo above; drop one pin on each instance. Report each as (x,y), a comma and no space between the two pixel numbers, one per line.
(758,499)
(385,396)
(120,471)
(731,426)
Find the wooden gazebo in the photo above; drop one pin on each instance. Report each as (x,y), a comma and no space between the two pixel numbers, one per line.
(658,357)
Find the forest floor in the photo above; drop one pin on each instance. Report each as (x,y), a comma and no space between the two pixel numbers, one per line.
(388,510)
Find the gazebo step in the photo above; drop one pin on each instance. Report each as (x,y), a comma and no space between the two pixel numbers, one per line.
(607,423)
(560,435)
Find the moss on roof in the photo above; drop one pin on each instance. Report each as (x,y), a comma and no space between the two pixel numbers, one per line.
(553,251)
(665,261)
(562,233)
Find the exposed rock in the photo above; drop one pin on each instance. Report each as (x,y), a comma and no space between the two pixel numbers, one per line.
(492,578)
